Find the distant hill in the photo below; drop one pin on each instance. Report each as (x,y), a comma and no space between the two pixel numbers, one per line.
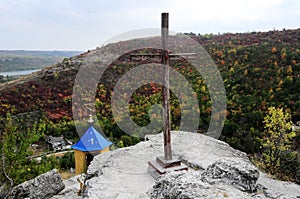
(12,60)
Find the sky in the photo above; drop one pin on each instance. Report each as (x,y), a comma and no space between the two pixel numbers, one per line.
(86,24)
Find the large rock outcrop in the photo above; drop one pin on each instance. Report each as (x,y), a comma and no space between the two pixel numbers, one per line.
(216,170)
(188,185)
(231,172)
(224,178)
(44,186)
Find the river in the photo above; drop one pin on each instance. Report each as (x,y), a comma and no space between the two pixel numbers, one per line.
(18,73)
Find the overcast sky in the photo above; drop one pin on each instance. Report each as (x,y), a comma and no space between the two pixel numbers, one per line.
(85,24)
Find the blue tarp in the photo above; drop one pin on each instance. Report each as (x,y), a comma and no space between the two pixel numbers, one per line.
(91,140)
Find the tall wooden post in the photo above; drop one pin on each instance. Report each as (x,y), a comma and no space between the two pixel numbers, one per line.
(165,90)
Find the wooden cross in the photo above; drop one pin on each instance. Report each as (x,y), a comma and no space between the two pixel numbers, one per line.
(165,163)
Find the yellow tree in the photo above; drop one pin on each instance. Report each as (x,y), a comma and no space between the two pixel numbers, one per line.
(278,137)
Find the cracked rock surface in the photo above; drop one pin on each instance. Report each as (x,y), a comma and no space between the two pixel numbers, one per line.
(43,186)
(216,170)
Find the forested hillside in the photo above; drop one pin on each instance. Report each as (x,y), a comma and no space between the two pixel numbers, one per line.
(13,60)
(259,69)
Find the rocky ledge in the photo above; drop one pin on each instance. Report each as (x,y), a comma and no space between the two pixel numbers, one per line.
(44,186)
(216,170)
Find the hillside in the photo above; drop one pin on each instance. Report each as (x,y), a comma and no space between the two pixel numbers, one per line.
(259,70)
(12,60)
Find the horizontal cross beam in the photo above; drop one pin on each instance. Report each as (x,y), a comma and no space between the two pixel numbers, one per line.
(173,56)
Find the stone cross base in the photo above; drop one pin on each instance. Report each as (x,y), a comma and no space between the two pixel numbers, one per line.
(161,166)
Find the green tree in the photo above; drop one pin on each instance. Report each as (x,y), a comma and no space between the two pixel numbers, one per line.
(14,150)
(67,161)
(277,139)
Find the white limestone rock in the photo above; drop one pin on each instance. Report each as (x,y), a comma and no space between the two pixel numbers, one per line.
(43,186)
(122,173)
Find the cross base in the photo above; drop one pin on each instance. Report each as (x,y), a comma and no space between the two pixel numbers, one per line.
(161,166)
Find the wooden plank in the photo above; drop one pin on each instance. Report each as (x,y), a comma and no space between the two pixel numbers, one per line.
(187,56)
(158,57)
(165,90)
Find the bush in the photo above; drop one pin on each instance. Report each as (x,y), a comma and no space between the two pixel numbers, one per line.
(290,166)
(67,161)
(127,140)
